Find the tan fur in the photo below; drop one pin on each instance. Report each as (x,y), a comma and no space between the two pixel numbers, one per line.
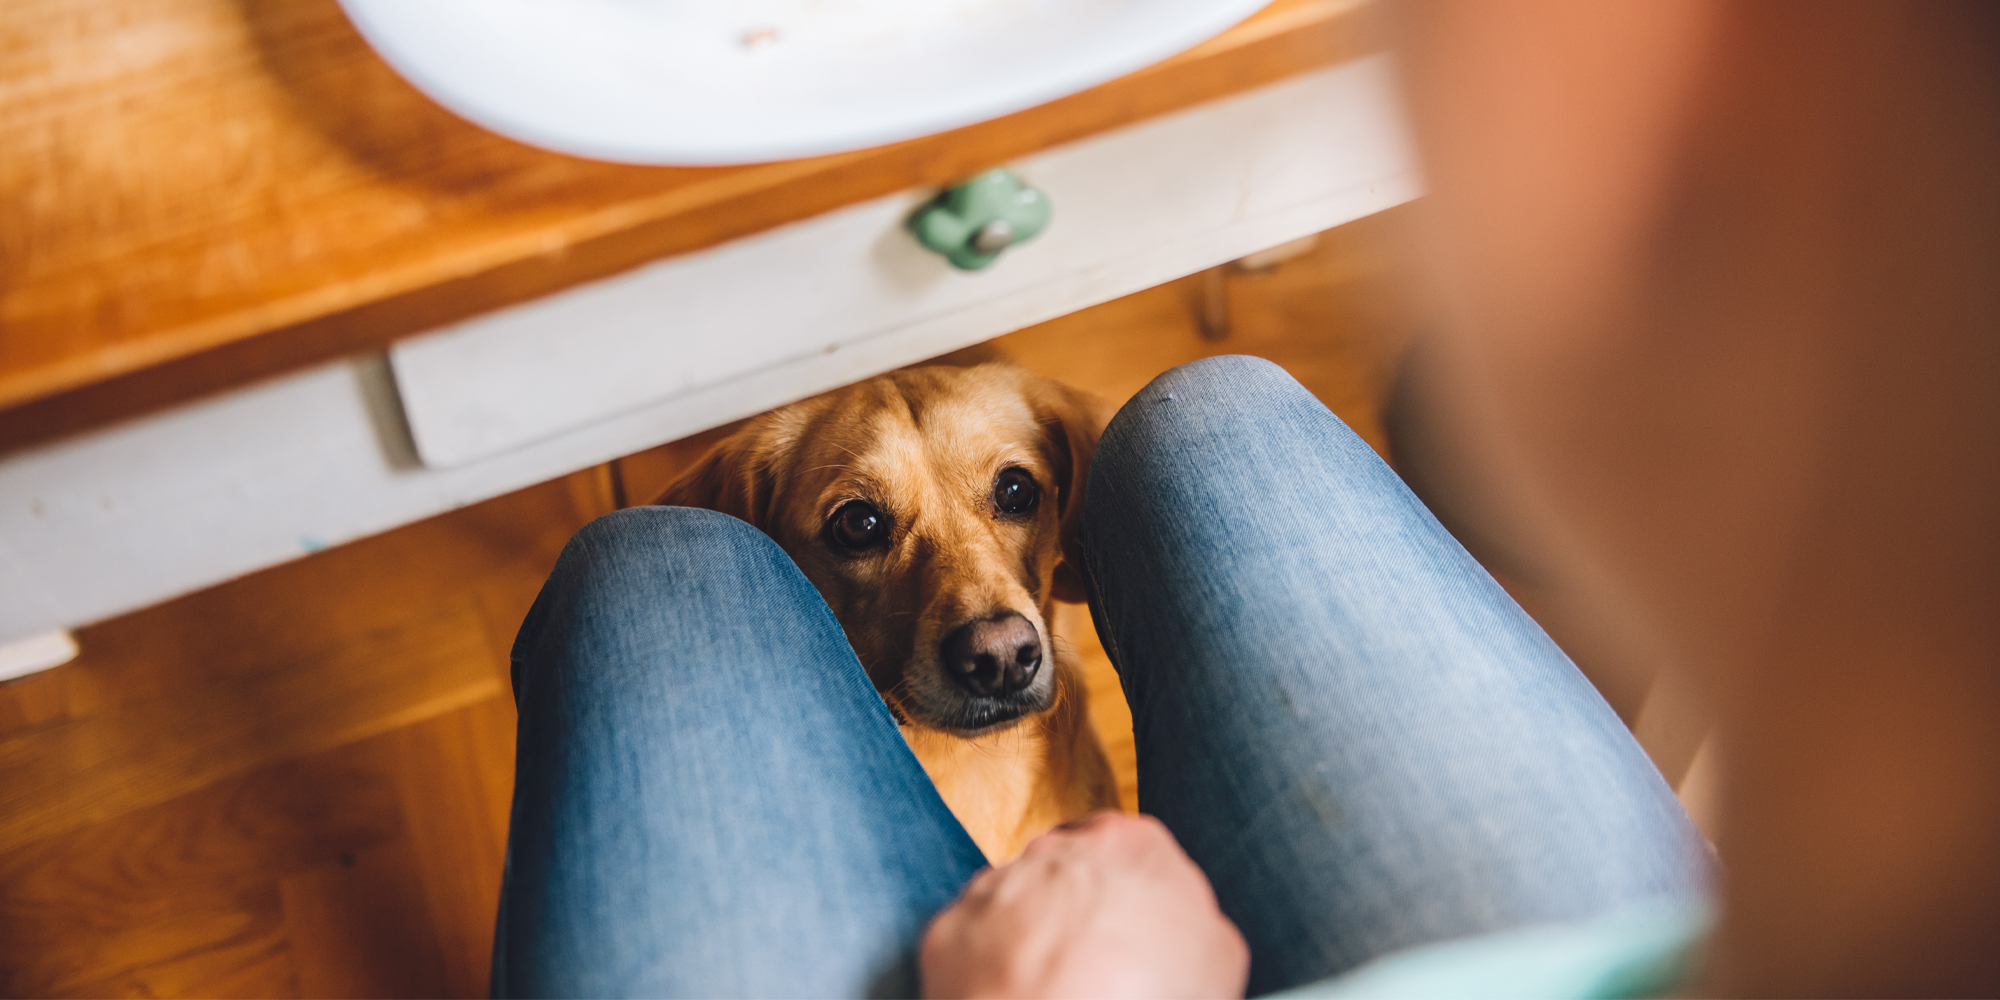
(924,445)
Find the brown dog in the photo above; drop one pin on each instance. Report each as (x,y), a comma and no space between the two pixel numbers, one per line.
(936,510)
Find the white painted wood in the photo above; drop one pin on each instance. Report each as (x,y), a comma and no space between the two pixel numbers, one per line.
(1132,208)
(36,653)
(129,515)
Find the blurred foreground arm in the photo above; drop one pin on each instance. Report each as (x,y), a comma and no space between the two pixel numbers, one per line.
(1727,334)
(1107,907)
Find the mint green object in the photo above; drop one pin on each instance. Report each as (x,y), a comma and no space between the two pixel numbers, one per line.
(1646,949)
(972,223)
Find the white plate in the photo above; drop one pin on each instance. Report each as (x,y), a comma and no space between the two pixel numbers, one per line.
(744,81)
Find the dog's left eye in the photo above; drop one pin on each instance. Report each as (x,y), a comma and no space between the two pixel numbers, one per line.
(1014,491)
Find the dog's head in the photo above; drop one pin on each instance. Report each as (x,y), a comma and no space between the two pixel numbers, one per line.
(936,511)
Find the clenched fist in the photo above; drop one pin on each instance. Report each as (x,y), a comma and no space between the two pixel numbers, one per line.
(1108,906)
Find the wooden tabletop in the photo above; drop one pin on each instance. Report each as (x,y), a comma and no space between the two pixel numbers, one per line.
(198,193)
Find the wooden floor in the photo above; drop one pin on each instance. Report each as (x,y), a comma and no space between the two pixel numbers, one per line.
(296,783)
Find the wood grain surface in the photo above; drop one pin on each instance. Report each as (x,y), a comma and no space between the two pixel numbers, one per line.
(196,193)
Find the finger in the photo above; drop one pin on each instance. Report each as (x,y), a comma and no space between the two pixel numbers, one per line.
(978,889)
(1082,824)
(1088,820)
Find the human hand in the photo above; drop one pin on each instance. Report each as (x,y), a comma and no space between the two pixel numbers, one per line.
(1107,906)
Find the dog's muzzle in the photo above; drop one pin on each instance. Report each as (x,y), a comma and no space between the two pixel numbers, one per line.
(992,657)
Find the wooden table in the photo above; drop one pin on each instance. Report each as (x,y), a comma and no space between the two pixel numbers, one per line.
(258,296)
(199,193)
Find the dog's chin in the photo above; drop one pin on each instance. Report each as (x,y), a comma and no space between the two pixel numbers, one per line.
(974,716)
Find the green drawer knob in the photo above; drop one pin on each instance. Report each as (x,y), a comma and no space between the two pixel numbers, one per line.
(971,223)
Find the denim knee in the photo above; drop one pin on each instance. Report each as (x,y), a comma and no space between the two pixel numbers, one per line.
(660,551)
(676,569)
(1193,394)
(652,527)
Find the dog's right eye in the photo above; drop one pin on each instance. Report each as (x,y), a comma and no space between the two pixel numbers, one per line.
(1014,491)
(858,525)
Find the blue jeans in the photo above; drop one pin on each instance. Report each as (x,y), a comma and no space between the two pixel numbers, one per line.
(1349,726)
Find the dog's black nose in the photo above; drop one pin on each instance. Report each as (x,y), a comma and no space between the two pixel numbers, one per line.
(992,656)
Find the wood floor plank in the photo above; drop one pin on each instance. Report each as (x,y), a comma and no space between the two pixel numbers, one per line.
(361,928)
(236,949)
(34,701)
(111,763)
(202,850)
(649,472)
(455,780)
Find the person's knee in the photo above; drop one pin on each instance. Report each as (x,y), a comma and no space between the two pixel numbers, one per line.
(1220,427)
(1232,366)
(1210,392)
(679,527)
(671,578)
(655,554)
(1229,378)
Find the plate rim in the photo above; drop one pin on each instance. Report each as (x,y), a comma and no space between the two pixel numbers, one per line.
(411,58)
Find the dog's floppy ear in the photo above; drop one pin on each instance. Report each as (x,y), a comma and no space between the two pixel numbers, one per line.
(737,477)
(1071,420)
